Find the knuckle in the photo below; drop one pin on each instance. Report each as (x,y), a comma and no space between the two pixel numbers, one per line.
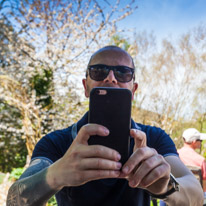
(159,157)
(99,163)
(167,165)
(99,150)
(142,150)
(101,173)
(76,166)
(148,163)
(142,134)
(157,172)
(99,129)
(84,128)
(75,154)
(154,151)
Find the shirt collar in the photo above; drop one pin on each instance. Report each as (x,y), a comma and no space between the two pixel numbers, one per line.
(84,120)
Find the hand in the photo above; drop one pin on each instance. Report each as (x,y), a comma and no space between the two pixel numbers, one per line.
(82,162)
(146,168)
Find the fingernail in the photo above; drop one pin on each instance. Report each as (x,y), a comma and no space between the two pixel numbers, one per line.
(126,169)
(119,165)
(118,157)
(106,131)
(132,183)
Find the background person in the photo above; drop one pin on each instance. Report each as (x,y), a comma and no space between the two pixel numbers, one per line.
(64,164)
(192,141)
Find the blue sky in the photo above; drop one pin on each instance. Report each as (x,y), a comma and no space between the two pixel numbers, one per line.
(166,17)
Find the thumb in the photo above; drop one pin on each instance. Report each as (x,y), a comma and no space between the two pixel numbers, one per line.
(89,130)
(140,139)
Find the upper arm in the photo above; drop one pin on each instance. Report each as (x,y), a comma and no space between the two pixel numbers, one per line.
(35,166)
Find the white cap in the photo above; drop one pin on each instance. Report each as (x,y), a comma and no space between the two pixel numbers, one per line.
(192,134)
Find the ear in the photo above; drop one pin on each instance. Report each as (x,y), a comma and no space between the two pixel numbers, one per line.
(193,144)
(135,86)
(84,82)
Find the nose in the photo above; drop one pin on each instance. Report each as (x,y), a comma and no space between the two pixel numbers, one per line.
(110,78)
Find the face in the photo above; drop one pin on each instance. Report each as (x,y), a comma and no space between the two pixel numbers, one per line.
(110,58)
(198,144)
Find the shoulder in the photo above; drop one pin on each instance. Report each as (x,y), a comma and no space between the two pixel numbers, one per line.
(53,145)
(158,139)
(58,137)
(153,133)
(185,149)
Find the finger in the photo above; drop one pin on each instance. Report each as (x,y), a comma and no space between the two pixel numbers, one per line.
(89,175)
(90,129)
(99,164)
(95,151)
(145,169)
(161,174)
(136,158)
(139,138)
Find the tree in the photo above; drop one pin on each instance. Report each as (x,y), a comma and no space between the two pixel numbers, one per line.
(49,47)
(12,147)
(172,77)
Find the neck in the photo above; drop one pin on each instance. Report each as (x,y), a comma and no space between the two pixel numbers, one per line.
(191,145)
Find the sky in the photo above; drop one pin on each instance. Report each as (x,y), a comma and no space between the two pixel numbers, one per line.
(166,18)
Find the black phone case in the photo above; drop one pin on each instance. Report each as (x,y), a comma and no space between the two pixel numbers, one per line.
(111,107)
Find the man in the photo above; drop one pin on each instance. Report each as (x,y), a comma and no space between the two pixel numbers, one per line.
(80,174)
(192,141)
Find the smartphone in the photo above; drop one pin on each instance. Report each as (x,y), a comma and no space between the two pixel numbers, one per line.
(111,107)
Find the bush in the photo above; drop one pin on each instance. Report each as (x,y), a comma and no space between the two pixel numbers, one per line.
(16,173)
(12,147)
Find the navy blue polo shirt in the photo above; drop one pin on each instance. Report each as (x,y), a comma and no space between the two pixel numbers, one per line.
(105,192)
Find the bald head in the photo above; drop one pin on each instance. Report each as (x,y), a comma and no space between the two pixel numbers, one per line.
(112,54)
(106,59)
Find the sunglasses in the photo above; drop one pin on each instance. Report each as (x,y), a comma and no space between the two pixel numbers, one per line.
(99,72)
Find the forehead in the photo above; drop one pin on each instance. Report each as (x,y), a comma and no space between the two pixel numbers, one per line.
(112,58)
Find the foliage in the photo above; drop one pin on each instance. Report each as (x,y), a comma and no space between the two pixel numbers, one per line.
(171,78)
(42,83)
(52,201)
(120,42)
(171,91)
(45,47)
(16,173)
(151,203)
(12,147)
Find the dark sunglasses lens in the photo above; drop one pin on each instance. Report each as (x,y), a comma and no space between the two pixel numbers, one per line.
(98,73)
(123,74)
